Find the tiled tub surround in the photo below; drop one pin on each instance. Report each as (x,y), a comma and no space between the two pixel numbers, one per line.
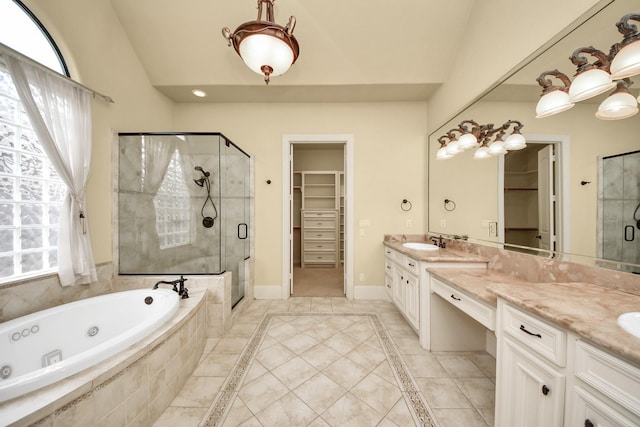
(131,388)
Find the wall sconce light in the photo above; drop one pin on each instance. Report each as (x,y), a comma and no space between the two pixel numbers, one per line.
(472,134)
(626,62)
(620,104)
(265,47)
(595,78)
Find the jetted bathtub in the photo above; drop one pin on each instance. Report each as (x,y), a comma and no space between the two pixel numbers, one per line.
(44,347)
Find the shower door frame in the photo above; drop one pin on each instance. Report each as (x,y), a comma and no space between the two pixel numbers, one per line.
(287,220)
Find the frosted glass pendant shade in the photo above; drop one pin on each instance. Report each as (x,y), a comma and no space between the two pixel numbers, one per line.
(553,103)
(620,105)
(482,153)
(589,84)
(497,148)
(515,142)
(466,141)
(626,62)
(261,50)
(442,154)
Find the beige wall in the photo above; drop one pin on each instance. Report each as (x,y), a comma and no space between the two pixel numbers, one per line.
(589,139)
(500,35)
(390,154)
(99,56)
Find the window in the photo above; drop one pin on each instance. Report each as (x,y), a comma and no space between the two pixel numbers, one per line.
(173,207)
(31,192)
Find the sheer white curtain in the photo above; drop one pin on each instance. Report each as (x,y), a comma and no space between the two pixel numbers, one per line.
(61,117)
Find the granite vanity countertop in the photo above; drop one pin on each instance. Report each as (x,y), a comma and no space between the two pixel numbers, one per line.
(439,255)
(476,281)
(589,310)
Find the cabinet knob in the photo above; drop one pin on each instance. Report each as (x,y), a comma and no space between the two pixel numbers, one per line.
(545,390)
(588,423)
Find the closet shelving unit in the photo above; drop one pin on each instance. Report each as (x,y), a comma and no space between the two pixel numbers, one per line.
(320,217)
(521,196)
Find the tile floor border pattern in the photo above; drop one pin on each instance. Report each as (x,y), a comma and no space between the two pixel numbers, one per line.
(416,403)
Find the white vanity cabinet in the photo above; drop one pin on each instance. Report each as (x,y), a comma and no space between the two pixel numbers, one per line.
(405,285)
(531,375)
(606,391)
(547,376)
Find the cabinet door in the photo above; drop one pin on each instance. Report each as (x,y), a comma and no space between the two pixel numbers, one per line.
(589,410)
(530,389)
(399,288)
(412,300)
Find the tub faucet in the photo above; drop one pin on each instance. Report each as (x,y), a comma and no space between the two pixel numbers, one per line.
(439,242)
(181,290)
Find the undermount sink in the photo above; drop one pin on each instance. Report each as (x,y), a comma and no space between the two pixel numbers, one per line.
(630,322)
(420,246)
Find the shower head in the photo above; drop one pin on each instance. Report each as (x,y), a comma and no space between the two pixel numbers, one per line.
(205,173)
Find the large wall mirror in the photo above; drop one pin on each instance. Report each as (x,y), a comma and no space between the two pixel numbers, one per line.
(585,200)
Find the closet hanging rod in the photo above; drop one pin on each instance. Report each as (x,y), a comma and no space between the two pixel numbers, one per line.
(6,50)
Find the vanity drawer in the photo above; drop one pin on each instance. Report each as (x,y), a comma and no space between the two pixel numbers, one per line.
(479,311)
(319,257)
(320,223)
(609,375)
(319,246)
(542,337)
(412,266)
(318,214)
(319,235)
(388,267)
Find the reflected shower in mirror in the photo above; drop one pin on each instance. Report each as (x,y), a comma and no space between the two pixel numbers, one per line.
(580,143)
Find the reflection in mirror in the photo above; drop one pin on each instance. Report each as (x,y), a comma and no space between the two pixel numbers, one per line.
(481,188)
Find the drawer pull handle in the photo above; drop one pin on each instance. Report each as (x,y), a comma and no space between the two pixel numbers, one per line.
(388,267)
(411,265)
(454,297)
(588,423)
(319,246)
(523,329)
(545,390)
(389,286)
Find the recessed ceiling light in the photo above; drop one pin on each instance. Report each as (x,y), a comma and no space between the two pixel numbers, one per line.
(199,93)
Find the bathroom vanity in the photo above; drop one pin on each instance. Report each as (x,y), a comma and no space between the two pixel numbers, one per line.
(562,359)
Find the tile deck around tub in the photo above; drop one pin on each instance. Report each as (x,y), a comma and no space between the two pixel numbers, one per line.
(331,362)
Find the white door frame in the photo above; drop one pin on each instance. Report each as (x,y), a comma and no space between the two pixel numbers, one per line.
(287,223)
(561,143)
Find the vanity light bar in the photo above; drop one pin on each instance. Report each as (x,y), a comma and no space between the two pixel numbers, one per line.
(489,140)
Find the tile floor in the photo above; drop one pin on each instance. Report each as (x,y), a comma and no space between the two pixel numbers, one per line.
(291,363)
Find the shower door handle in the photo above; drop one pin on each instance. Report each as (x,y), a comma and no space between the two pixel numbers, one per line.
(243,232)
(629,237)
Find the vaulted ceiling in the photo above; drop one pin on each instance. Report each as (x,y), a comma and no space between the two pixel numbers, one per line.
(350,50)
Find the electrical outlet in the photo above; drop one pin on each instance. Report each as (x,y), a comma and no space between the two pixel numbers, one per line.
(493,229)
(443,223)
(409,223)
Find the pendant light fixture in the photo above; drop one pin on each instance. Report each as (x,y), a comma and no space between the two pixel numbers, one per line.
(626,63)
(265,47)
(620,104)
(591,79)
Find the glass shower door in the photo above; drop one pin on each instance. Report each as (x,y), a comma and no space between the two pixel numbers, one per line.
(235,199)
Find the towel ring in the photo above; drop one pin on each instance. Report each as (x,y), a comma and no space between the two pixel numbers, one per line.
(406,205)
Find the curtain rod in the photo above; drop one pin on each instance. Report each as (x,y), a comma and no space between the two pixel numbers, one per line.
(6,50)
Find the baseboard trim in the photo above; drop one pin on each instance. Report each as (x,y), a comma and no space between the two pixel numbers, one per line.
(365,292)
(267,292)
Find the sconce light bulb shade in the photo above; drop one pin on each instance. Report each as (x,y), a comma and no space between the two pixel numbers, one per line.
(626,62)
(620,105)
(497,148)
(553,103)
(453,148)
(259,50)
(590,83)
(482,153)
(466,141)
(515,142)
(442,154)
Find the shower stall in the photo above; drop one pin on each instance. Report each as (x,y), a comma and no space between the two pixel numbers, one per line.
(183,206)
(619,210)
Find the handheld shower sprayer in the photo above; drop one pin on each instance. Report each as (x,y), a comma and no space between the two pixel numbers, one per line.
(207,221)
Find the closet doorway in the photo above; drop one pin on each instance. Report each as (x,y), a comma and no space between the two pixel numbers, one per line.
(318,216)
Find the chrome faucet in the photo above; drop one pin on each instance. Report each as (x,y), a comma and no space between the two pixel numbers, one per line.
(182,291)
(439,242)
